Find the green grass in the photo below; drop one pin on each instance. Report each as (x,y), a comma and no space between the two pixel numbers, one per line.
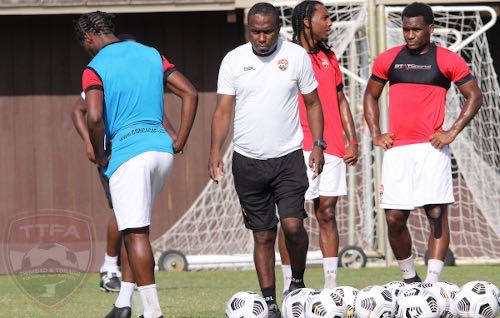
(204,294)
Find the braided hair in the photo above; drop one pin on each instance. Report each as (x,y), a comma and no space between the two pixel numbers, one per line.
(97,22)
(305,10)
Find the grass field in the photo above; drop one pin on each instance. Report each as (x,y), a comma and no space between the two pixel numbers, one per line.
(204,294)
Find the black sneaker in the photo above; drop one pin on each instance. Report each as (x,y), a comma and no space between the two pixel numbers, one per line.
(274,312)
(124,312)
(110,281)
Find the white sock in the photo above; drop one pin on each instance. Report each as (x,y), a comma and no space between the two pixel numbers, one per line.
(287,276)
(407,268)
(125,296)
(434,268)
(330,271)
(150,301)
(110,263)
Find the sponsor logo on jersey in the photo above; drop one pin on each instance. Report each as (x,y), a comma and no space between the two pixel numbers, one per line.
(248,68)
(412,67)
(283,64)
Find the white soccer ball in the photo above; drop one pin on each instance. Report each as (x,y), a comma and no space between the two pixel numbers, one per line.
(451,288)
(326,303)
(477,299)
(441,296)
(395,287)
(453,310)
(349,294)
(374,302)
(496,292)
(246,304)
(294,303)
(416,302)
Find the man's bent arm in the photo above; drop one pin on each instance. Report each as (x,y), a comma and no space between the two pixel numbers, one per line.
(94,101)
(182,87)
(370,106)
(473,101)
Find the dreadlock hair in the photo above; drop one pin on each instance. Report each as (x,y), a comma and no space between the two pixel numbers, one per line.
(419,9)
(97,22)
(305,10)
(265,9)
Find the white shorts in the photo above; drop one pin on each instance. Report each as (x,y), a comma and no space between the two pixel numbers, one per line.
(416,175)
(134,186)
(331,182)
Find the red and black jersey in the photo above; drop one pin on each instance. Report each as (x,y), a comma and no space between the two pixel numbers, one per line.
(418,84)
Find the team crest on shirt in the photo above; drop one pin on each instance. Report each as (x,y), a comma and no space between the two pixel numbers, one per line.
(283,64)
(325,63)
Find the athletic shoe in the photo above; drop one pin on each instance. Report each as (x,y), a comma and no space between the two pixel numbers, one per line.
(142,316)
(274,312)
(124,312)
(110,281)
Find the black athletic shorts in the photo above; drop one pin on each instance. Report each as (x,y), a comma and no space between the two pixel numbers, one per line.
(105,186)
(262,185)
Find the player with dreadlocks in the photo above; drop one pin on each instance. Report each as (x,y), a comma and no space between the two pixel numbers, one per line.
(311,26)
(124,86)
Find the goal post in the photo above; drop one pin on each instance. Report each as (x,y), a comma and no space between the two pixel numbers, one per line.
(211,231)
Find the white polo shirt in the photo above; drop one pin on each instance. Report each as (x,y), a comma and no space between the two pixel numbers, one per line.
(266,120)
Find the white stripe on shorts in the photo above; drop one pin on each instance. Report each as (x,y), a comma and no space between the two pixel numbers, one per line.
(134,186)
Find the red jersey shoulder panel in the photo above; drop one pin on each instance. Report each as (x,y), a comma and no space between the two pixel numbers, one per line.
(383,62)
(91,80)
(166,64)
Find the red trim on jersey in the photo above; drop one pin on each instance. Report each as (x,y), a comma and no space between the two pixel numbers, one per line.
(327,73)
(90,79)
(166,64)
(416,111)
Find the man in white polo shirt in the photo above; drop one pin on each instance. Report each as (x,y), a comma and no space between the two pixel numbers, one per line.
(261,79)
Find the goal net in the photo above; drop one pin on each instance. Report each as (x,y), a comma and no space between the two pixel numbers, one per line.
(213,225)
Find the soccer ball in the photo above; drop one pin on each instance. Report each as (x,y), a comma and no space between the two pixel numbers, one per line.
(49,255)
(477,299)
(246,304)
(374,302)
(453,311)
(452,289)
(496,292)
(294,303)
(395,287)
(416,302)
(441,296)
(326,303)
(349,294)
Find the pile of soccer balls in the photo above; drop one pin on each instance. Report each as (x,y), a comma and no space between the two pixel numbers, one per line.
(478,299)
